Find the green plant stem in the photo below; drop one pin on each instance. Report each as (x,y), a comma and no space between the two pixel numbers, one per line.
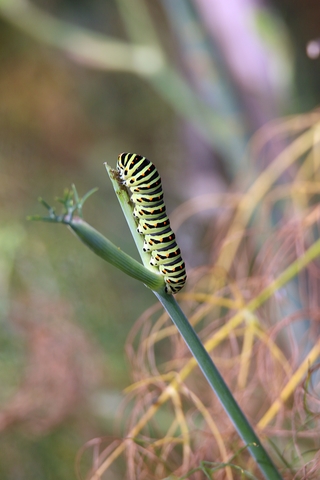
(105,249)
(127,209)
(219,386)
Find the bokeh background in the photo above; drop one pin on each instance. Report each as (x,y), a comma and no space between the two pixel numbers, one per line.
(185,83)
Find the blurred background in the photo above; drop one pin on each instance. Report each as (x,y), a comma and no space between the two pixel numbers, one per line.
(184,83)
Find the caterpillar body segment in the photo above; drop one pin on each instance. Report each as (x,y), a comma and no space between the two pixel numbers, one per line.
(147,198)
(159,240)
(153,226)
(143,181)
(149,212)
(159,257)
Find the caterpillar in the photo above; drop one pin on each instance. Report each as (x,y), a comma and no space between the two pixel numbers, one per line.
(143,181)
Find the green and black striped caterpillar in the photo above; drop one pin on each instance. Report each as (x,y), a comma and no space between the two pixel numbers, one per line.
(143,181)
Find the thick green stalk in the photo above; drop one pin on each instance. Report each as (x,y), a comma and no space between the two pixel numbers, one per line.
(111,253)
(127,209)
(219,387)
